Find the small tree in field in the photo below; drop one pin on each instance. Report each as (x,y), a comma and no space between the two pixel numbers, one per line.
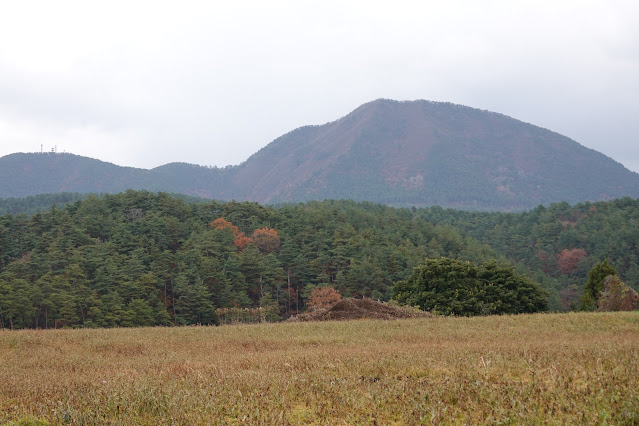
(323,298)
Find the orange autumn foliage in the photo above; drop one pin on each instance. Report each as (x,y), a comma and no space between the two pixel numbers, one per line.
(222,223)
(323,298)
(241,240)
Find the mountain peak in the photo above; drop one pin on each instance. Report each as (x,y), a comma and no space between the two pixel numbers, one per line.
(395,152)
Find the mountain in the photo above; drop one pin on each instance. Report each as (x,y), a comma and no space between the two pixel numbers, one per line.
(30,174)
(417,153)
(425,153)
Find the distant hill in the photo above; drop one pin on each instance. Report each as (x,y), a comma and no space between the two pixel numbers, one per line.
(42,202)
(30,174)
(416,153)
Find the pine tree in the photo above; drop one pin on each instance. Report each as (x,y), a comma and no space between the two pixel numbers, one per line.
(595,284)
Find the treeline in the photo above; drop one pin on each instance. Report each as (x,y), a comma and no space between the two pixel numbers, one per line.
(40,203)
(140,258)
(557,245)
(37,203)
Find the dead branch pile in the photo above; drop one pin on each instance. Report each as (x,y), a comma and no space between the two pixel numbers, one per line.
(351,309)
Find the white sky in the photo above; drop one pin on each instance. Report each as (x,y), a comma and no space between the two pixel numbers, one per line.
(147,83)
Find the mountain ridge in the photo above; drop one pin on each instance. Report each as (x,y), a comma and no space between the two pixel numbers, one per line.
(417,153)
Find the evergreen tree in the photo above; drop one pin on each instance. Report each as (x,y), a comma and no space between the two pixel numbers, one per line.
(455,287)
(193,303)
(270,309)
(138,314)
(595,284)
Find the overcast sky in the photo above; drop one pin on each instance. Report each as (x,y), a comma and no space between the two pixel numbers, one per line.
(147,83)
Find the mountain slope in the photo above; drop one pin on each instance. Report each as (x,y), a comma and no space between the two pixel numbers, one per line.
(425,153)
(30,174)
(416,153)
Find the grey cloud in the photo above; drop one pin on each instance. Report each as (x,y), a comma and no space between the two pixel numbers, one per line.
(211,84)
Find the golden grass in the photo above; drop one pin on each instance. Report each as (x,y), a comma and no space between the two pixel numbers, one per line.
(545,368)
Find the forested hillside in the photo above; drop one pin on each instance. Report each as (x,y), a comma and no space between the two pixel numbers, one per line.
(559,244)
(139,258)
(37,203)
(43,202)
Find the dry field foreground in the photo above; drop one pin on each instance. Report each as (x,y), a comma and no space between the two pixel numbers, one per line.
(547,368)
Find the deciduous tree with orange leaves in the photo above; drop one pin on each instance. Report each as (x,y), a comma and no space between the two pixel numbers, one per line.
(222,223)
(241,240)
(323,298)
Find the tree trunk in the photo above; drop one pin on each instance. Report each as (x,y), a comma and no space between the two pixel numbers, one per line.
(261,288)
(288,283)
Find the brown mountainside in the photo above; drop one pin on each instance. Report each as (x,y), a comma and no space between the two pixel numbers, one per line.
(416,153)
(426,153)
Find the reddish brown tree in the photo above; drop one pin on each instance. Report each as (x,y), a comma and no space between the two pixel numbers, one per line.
(222,223)
(322,298)
(267,240)
(568,259)
(241,241)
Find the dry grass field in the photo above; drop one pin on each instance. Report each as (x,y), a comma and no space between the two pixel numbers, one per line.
(545,368)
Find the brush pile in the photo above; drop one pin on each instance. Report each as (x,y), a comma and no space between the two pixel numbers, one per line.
(352,309)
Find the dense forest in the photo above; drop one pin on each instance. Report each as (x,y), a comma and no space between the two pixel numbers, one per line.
(559,244)
(140,258)
(37,203)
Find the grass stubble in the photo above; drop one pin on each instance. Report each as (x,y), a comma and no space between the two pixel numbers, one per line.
(544,368)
